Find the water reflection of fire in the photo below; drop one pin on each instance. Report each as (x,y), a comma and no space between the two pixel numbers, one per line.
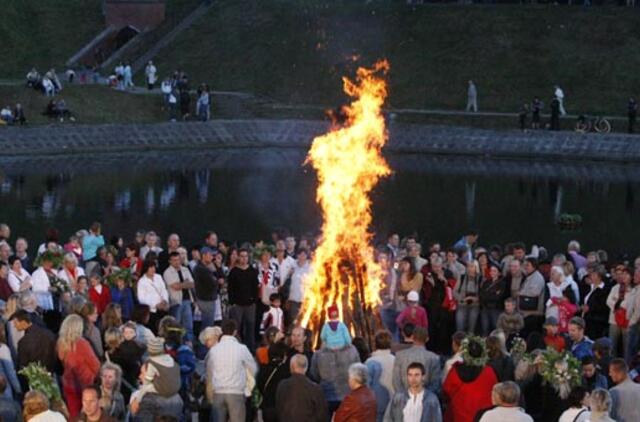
(349,163)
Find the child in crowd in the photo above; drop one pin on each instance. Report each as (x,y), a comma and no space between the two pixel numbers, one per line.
(274,317)
(552,338)
(99,294)
(335,334)
(510,321)
(413,313)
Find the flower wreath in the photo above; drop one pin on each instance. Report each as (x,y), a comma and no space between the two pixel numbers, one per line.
(561,370)
(466,355)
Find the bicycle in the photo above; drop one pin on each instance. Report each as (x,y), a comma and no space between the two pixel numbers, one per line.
(597,124)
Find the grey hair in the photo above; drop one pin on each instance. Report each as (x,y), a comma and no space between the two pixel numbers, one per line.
(600,400)
(436,260)
(28,301)
(110,366)
(560,257)
(359,373)
(210,333)
(70,257)
(507,392)
(300,361)
(574,245)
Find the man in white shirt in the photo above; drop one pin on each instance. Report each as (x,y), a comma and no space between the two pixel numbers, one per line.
(230,365)
(296,291)
(180,285)
(416,404)
(505,397)
(153,292)
(560,96)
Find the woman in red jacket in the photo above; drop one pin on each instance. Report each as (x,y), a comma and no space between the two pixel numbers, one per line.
(81,366)
(99,294)
(468,385)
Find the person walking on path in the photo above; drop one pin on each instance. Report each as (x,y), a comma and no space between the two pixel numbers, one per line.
(559,94)
(472,97)
(632,112)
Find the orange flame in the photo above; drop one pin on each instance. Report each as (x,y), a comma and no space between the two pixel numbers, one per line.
(349,164)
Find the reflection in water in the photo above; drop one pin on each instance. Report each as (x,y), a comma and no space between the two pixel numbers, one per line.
(243,194)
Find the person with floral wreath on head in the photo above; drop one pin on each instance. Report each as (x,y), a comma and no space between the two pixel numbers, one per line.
(469,383)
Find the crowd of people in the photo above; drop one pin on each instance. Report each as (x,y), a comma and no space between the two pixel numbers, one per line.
(145,331)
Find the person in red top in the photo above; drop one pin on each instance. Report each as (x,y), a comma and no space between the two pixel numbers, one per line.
(360,404)
(99,294)
(469,383)
(5,288)
(413,313)
(131,261)
(551,337)
(81,366)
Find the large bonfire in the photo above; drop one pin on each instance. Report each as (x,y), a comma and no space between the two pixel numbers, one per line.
(349,163)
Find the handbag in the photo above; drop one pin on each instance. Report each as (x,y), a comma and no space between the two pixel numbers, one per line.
(528,303)
(620,316)
(449,303)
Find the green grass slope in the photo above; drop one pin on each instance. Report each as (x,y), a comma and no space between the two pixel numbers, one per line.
(44,33)
(297,51)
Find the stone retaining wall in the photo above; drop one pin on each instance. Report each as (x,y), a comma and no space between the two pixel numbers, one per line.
(404,138)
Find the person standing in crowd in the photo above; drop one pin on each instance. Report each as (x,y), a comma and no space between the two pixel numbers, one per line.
(633,316)
(230,365)
(600,401)
(531,297)
(415,404)
(91,410)
(81,365)
(591,376)
(111,399)
(413,313)
(472,97)
(618,303)
(632,114)
(536,109)
(153,292)
(9,408)
(505,396)
(578,410)
(559,95)
(298,343)
(206,286)
(243,294)
(469,384)
(269,377)
(37,344)
(150,73)
(595,310)
(417,353)
(383,357)
(493,291)
(180,283)
(360,403)
(298,398)
(35,408)
(91,242)
(626,393)
(581,345)
(301,269)
(466,293)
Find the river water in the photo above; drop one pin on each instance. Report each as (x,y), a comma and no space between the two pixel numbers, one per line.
(244,194)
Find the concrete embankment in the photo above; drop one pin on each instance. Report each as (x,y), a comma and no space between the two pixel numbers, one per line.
(403,138)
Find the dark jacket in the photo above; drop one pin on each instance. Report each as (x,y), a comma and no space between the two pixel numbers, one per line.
(129,356)
(597,317)
(493,294)
(269,377)
(38,344)
(504,368)
(243,286)
(357,406)
(300,399)
(205,282)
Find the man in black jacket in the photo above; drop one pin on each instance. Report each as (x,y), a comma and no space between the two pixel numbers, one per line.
(37,345)
(298,398)
(206,286)
(243,294)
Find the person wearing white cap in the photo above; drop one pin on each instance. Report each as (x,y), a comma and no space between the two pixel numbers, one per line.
(413,313)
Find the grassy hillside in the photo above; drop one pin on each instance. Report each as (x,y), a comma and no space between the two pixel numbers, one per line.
(90,104)
(296,51)
(44,33)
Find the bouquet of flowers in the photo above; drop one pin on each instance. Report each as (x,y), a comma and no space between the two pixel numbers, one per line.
(53,256)
(40,379)
(561,370)
(124,274)
(58,285)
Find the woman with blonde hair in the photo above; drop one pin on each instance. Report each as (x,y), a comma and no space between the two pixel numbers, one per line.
(13,335)
(35,408)
(112,317)
(81,365)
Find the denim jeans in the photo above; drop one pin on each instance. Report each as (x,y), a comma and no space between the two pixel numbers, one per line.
(489,320)
(245,317)
(228,407)
(467,317)
(207,309)
(183,313)
(633,334)
(389,320)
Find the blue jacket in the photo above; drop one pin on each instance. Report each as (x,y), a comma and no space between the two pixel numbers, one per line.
(582,348)
(90,245)
(431,411)
(337,339)
(124,298)
(381,392)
